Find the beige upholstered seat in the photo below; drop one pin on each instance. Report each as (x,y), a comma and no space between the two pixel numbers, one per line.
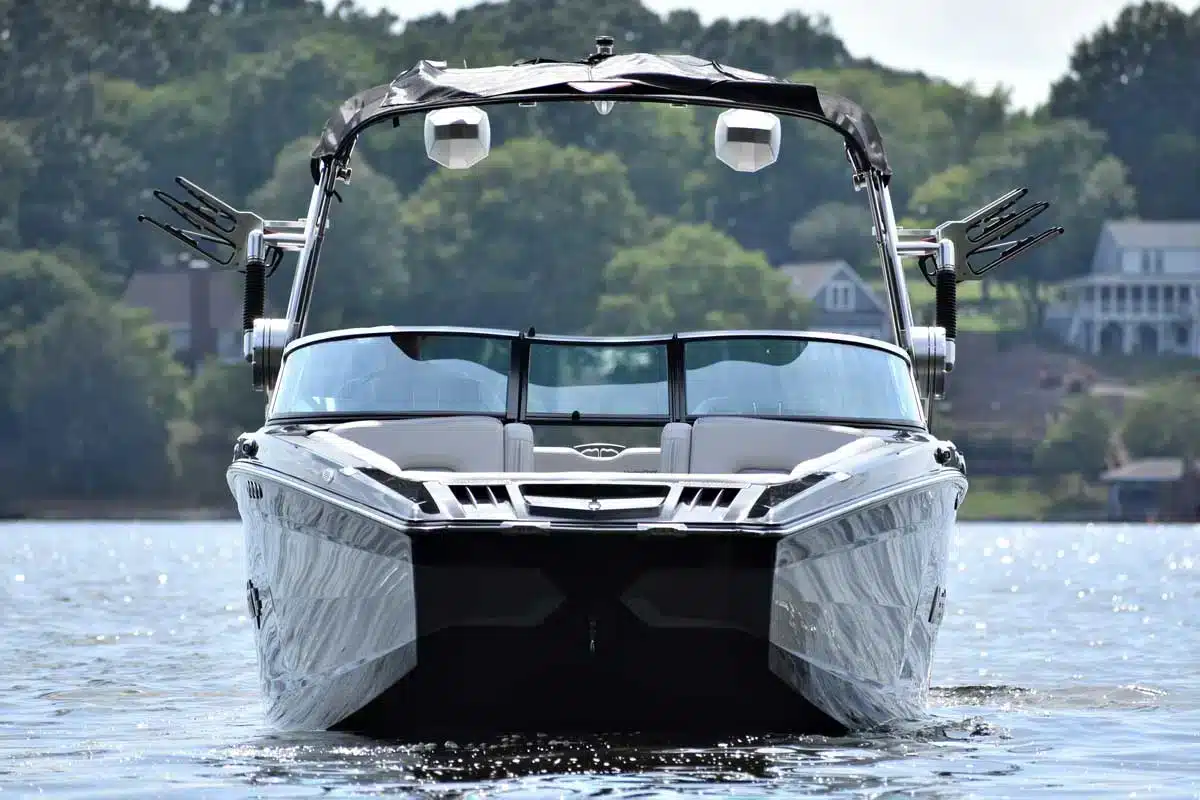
(713,445)
(518,448)
(732,445)
(675,447)
(451,444)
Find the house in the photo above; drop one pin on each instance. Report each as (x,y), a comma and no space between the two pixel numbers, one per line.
(1153,489)
(200,308)
(1142,294)
(843,302)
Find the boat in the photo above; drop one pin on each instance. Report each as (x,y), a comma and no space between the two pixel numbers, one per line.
(754,539)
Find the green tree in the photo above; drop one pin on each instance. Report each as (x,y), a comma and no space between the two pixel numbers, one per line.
(50,47)
(837,230)
(520,29)
(1078,441)
(80,195)
(694,278)
(519,239)
(927,125)
(1135,80)
(362,279)
(1165,423)
(289,92)
(85,380)
(667,151)
(223,405)
(33,285)
(1060,161)
(16,167)
(92,393)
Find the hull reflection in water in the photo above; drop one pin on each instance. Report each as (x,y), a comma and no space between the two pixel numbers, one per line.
(433,633)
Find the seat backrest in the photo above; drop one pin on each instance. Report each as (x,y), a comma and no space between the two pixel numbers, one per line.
(568,459)
(449,444)
(732,445)
(518,448)
(675,448)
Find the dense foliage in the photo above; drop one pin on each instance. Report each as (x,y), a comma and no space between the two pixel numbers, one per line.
(101,99)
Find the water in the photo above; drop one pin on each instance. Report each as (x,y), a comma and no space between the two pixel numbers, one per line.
(1066,668)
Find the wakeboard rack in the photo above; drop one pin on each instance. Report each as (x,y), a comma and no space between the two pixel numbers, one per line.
(982,233)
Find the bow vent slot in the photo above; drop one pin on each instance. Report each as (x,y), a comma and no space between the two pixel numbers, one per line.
(479,497)
(707,497)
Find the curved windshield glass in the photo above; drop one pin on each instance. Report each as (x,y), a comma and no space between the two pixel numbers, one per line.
(598,380)
(796,378)
(399,373)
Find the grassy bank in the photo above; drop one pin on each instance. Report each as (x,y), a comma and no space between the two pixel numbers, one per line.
(1033,499)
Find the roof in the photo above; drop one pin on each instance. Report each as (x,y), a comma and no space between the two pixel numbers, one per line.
(809,278)
(167,296)
(1146,469)
(633,77)
(1151,234)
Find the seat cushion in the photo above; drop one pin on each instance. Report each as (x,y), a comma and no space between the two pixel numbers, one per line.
(733,445)
(454,444)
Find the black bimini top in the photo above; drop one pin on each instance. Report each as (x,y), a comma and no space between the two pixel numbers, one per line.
(634,76)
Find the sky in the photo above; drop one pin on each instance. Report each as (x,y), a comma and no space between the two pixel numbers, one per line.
(1024,45)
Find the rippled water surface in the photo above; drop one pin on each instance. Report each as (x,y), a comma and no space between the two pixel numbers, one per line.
(1068,666)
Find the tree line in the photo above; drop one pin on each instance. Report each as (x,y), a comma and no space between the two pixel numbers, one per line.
(100,100)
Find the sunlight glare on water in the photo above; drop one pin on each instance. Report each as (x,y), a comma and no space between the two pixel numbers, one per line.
(1064,669)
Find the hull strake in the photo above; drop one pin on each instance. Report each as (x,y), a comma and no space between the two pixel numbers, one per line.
(364,627)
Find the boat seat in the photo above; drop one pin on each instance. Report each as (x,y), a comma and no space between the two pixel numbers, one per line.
(447,444)
(675,448)
(518,448)
(568,459)
(739,445)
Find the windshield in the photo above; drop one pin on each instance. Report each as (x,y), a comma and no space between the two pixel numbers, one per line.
(795,378)
(396,373)
(593,380)
(414,373)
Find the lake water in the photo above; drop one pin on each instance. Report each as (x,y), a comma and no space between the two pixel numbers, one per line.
(1067,667)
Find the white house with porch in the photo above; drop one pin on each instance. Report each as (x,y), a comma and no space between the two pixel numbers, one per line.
(1142,295)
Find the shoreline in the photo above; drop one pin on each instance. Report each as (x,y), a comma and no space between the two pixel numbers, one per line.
(129,513)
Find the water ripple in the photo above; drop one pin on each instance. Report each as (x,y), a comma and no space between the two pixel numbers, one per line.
(1062,671)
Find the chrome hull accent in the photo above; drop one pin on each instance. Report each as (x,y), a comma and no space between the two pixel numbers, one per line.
(482,627)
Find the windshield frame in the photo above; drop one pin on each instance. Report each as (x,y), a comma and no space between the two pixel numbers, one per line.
(518,375)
